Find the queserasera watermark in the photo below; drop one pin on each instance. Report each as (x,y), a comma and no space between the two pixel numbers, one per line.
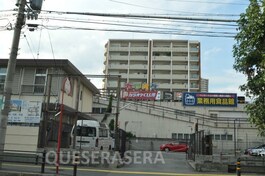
(105,157)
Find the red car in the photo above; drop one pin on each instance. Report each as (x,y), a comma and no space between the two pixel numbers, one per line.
(175,147)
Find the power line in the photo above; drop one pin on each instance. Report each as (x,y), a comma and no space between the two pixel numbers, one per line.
(38,53)
(146,26)
(30,48)
(138,31)
(201,14)
(116,22)
(142,16)
(211,2)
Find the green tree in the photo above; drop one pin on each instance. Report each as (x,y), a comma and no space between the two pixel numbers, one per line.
(249,54)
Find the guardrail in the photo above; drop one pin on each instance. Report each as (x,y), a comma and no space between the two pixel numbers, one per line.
(45,158)
(26,157)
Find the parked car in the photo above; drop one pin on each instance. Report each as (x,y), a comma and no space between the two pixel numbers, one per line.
(176,147)
(262,153)
(256,150)
(246,152)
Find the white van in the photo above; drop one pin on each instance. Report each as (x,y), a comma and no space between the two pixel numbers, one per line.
(92,135)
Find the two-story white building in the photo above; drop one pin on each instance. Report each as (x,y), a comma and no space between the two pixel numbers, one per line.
(39,88)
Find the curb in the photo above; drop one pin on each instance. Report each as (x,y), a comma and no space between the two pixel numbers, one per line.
(13,173)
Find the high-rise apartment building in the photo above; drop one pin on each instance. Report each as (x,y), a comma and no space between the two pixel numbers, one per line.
(204,85)
(167,65)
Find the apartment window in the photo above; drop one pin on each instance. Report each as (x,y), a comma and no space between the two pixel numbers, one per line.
(2,78)
(194,76)
(40,79)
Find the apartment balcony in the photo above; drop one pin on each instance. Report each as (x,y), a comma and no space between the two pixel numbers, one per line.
(139,49)
(116,48)
(196,50)
(194,87)
(179,49)
(179,77)
(179,86)
(194,67)
(194,58)
(161,49)
(161,76)
(195,77)
(138,76)
(139,58)
(161,67)
(138,67)
(118,66)
(119,58)
(180,58)
(179,67)
(163,85)
(162,58)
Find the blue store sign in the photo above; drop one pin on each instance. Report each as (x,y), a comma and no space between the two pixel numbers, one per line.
(209,99)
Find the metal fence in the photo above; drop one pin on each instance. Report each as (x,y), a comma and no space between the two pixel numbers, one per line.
(199,144)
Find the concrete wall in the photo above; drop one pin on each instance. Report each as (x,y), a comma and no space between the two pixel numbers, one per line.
(155,120)
(21,138)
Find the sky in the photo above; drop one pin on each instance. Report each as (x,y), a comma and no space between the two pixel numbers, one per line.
(85,48)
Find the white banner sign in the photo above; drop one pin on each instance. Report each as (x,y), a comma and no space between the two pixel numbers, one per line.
(24,111)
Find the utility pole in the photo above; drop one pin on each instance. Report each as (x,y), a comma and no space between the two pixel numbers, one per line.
(235,136)
(10,76)
(117,137)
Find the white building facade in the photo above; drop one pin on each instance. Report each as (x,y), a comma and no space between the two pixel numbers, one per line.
(227,125)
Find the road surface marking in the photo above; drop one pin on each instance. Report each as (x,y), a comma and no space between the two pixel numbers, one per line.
(118,171)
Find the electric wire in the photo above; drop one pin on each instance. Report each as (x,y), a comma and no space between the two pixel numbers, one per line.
(38,51)
(116,15)
(36,63)
(137,20)
(147,27)
(136,31)
(116,22)
(211,2)
(187,13)
(51,47)
(29,46)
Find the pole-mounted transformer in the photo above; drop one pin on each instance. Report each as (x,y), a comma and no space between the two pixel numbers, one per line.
(36,4)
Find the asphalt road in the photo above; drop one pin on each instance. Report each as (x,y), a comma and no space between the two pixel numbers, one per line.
(153,163)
